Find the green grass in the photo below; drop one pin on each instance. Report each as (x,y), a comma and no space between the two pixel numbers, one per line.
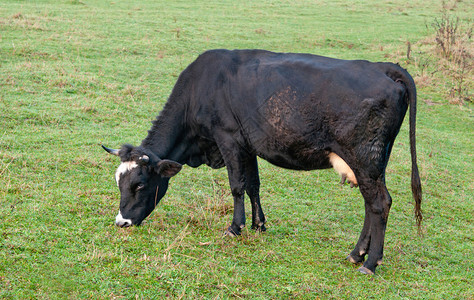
(75,74)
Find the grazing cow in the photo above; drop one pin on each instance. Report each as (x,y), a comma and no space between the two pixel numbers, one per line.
(297,111)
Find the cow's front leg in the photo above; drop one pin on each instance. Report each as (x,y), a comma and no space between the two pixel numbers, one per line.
(238,220)
(258,218)
(235,161)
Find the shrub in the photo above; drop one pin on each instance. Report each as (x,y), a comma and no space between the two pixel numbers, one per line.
(454,49)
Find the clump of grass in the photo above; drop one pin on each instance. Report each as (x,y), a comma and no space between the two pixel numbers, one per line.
(77,2)
(446,29)
(205,211)
(425,75)
(454,48)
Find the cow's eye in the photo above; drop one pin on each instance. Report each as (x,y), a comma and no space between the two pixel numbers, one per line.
(139,187)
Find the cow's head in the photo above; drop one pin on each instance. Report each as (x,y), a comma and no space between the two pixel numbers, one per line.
(142,178)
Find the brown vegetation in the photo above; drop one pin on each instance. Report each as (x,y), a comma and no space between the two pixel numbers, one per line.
(452,55)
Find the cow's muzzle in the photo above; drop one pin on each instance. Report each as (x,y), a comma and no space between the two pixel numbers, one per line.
(121,222)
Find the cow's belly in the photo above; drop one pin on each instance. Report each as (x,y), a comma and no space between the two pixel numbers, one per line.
(319,160)
(303,159)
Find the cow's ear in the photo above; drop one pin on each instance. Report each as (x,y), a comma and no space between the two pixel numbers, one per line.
(168,168)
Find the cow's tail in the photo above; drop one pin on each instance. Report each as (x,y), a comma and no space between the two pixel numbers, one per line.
(402,75)
(415,175)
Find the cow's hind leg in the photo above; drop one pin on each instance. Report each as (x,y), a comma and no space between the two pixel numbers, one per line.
(357,255)
(253,191)
(371,241)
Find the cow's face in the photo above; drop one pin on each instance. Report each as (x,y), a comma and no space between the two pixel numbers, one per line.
(142,178)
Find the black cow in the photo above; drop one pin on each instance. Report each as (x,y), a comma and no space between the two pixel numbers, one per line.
(297,111)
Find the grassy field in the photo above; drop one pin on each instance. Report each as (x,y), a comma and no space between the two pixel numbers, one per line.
(76,74)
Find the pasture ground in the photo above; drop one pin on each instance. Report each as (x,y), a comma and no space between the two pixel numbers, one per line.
(75,74)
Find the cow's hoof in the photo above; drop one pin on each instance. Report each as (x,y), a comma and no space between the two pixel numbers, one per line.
(366,271)
(355,260)
(231,232)
(260,228)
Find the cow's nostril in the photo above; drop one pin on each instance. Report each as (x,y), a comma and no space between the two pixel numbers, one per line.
(121,222)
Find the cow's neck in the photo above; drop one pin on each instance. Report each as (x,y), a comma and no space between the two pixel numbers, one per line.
(165,138)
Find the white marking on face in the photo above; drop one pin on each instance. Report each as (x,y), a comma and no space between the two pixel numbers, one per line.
(120,221)
(342,167)
(124,167)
